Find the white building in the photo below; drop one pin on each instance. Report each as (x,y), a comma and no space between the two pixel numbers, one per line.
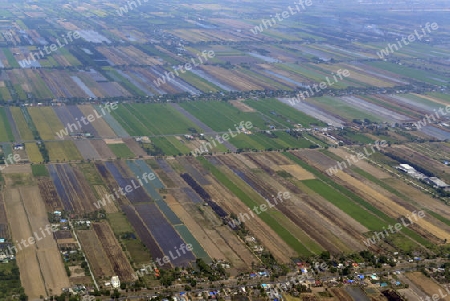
(115,282)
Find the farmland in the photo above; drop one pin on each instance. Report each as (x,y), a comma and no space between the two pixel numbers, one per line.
(171,125)
(5,128)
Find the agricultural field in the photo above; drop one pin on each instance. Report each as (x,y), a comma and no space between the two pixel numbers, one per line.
(132,185)
(6,134)
(34,155)
(23,127)
(46,121)
(63,151)
(121,150)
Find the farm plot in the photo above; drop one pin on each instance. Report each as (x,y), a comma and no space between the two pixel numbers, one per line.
(209,230)
(49,195)
(71,115)
(259,229)
(409,72)
(48,255)
(396,210)
(87,150)
(164,233)
(95,253)
(42,271)
(162,119)
(12,124)
(128,55)
(31,278)
(121,150)
(368,199)
(112,122)
(134,147)
(282,113)
(231,78)
(101,127)
(137,194)
(22,125)
(427,285)
(119,261)
(144,233)
(62,151)
(102,149)
(6,134)
(251,199)
(61,83)
(46,121)
(33,152)
(199,234)
(72,187)
(76,114)
(221,116)
(111,184)
(326,232)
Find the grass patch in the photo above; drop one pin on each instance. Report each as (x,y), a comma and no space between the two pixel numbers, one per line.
(39,170)
(121,150)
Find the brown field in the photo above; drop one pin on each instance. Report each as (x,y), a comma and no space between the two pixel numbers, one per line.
(102,149)
(96,255)
(341,295)
(212,229)
(392,208)
(199,232)
(111,184)
(417,196)
(100,125)
(259,229)
(363,164)
(231,78)
(49,194)
(113,141)
(134,147)
(48,254)
(423,160)
(42,270)
(311,220)
(82,199)
(128,55)
(102,192)
(17,168)
(426,284)
(119,261)
(242,106)
(297,172)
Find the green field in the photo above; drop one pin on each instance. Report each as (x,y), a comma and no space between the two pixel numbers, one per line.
(408,72)
(10,281)
(384,219)
(221,116)
(283,113)
(121,150)
(161,119)
(5,128)
(39,170)
(121,226)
